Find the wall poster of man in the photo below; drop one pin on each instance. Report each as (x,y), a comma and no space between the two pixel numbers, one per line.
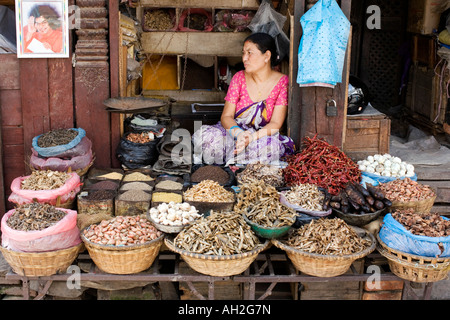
(42,29)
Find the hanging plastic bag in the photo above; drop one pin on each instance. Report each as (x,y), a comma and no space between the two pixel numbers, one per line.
(322,47)
(62,235)
(395,236)
(267,20)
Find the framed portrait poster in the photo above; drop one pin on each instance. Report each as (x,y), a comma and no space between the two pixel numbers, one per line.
(42,29)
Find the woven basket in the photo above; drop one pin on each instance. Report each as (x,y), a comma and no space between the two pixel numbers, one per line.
(320,265)
(123,259)
(215,265)
(41,264)
(412,267)
(420,207)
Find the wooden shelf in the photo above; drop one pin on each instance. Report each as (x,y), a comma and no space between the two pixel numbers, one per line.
(221,4)
(203,43)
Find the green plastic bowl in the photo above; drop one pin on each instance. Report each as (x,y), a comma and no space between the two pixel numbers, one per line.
(268,232)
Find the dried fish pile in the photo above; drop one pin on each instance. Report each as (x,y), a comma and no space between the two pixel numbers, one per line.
(327,237)
(430,225)
(306,195)
(251,193)
(45,180)
(208,191)
(34,216)
(220,233)
(406,190)
(261,172)
(56,137)
(270,212)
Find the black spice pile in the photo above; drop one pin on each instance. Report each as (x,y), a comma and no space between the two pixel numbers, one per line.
(34,216)
(100,195)
(56,137)
(210,172)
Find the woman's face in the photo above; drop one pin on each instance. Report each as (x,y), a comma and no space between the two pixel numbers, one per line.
(253,58)
(42,25)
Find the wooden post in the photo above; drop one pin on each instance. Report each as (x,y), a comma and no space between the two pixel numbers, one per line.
(92,80)
(307,108)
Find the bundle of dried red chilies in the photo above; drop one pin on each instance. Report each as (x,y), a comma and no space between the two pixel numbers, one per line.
(321,164)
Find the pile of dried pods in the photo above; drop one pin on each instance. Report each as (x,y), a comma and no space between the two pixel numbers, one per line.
(430,225)
(220,233)
(45,180)
(34,216)
(327,237)
(406,190)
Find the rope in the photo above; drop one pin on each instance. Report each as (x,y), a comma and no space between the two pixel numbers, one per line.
(441,75)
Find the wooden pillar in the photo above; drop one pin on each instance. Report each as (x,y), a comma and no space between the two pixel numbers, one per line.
(91,79)
(307,108)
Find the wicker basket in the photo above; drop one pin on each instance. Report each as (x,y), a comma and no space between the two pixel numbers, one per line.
(420,207)
(324,265)
(412,267)
(123,259)
(215,265)
(41,264)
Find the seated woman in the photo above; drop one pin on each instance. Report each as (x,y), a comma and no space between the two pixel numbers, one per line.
(254,112)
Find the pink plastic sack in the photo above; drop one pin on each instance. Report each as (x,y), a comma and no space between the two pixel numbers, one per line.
(62,235)
(58,164)
(66,193)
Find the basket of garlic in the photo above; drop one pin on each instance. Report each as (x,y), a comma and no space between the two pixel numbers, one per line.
(172,217)
(385,168)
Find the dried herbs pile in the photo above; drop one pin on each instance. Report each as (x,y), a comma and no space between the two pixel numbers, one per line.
(34,216)
(322,164)
(45,180)
(56,137)
(327,237)
(259,171)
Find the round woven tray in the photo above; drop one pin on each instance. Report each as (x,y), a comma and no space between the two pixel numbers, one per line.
(41,264)
(123,259)
(420,207)
(412,267)
(215,265)
(165,228)
(320,265)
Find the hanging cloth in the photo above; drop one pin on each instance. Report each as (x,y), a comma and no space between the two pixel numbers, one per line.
(322,47)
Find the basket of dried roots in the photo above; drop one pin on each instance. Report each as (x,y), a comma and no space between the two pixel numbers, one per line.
(220,244)
(326,247)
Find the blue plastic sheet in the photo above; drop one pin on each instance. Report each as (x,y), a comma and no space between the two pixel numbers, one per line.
(322,47)
(395,236)
(57,150)
(376,179)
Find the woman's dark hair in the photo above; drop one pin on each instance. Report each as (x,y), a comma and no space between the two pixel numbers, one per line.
(47,12)
(265,42)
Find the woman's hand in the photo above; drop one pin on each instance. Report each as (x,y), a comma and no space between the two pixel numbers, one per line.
(243,140)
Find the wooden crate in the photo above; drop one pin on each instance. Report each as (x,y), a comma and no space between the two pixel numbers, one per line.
(437,177)
(367,134)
